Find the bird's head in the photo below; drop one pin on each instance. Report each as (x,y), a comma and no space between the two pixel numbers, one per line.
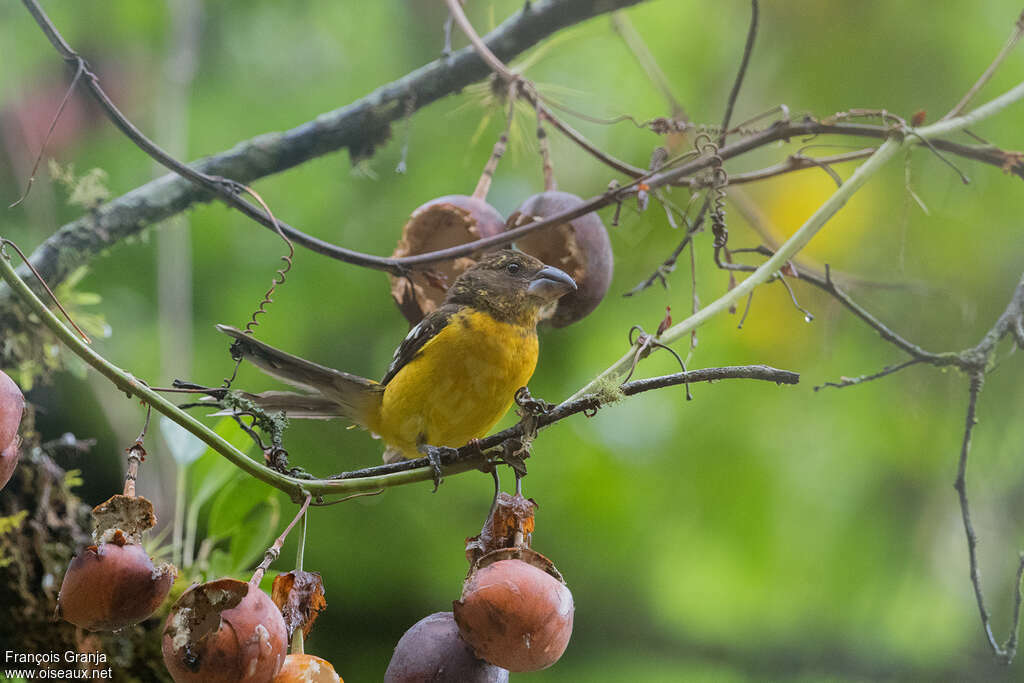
(511,286)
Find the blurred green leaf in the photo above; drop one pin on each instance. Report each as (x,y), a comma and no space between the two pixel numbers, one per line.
(184,446)
(255,534)
(212,471)
(233,503)
(220,565)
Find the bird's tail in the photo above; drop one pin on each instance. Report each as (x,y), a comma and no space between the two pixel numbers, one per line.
(333,393)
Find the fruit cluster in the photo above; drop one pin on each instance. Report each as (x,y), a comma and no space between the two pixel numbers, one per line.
(515,613)
(579,246)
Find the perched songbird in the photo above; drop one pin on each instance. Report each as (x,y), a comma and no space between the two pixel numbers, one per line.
(452,378)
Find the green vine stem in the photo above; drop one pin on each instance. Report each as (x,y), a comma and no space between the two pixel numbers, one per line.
(893,144)
(296,488)
(468,457)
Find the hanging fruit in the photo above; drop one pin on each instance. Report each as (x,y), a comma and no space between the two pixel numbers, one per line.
(114,583)
(303,668)
(515,611)
(8,462)
(440,223)
(433,651)
(12,405)
(224,631)
(579,246)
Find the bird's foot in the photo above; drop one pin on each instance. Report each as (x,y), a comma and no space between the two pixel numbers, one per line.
(434,455)
(530,406)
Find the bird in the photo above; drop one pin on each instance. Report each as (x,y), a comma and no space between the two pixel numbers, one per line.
(452,378)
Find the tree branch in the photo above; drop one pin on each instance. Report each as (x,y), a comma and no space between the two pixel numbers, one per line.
(1015,36)
(1008,651)
(360,127)
(975,362)
(816,222)
(466,458)
(471,453)
(748,49)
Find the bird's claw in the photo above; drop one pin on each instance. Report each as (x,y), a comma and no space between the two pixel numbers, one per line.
(434,455)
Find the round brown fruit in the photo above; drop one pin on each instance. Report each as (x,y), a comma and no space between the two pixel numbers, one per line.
(8,461)
(440,223)
(307,669)
(111,586)
(12,404)
(224,631)
(514,614)
(580,247)
(433,651)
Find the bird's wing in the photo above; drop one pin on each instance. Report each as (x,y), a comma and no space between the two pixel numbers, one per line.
(424,331)
(306,406)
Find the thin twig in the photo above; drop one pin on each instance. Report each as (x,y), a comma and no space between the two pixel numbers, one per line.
(39,278)
(53,124)
(974,361)
(748,48)
(851,381)
(808,316)
(1005,653)
(483,185)
(798,162)
(274,551)
(362,494)
(136,454)
(746,311)
(694,297)
(529,93)
(669,264)
(828,285)
(1018,31)
(544,145)
(635,42)
(466,458)
(470,454)
(811,226)
(153,202)
(250,160)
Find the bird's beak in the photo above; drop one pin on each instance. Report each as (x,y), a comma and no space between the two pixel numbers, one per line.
(550,283)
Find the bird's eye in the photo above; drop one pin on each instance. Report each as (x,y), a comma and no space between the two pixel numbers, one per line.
(512,268)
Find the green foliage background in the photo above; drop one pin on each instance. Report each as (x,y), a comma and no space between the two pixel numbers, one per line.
(758,532)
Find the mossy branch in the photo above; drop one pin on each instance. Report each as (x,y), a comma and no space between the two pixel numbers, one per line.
(469,457)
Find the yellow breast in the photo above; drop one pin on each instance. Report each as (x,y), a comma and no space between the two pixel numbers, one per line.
(459,385)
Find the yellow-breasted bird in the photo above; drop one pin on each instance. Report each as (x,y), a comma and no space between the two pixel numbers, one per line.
(452,378)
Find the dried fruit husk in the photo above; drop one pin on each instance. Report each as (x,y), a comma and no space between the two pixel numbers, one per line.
(515,611)
(129,515)
(112,585)
(224,631)
(300,597)
(510,524)
(303,668)
(433,651)
(440,223)
(580,247)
